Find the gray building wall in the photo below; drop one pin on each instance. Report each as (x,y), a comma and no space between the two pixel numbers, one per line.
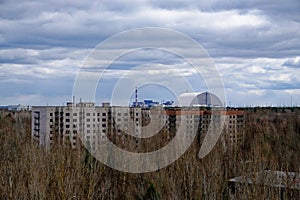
(64,124)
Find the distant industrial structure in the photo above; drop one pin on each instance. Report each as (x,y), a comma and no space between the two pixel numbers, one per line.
(149,103)
(16,108)
(196,99)
(64,124)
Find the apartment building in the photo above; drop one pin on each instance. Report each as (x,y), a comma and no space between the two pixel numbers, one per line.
(64,124)
(200,120)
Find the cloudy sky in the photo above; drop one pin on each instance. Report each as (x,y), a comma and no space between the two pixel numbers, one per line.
(255,46)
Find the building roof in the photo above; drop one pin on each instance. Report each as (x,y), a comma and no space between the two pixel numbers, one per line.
(270,178)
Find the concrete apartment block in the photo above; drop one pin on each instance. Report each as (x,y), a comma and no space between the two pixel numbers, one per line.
(64,124)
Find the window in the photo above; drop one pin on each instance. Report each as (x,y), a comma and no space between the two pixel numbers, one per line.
(74,120)
(74,114)
(67,114)
(67,126)
(103,114)
(88,114)
(67,120)
(88,119)
(51,114)
(88,125)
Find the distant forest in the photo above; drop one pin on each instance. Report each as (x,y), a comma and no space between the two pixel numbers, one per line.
(28,171)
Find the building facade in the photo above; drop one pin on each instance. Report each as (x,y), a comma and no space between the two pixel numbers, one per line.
(65,124)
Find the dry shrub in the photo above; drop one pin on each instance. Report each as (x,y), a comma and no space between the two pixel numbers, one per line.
(28,171)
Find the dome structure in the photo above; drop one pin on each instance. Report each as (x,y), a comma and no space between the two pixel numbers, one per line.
(196,99)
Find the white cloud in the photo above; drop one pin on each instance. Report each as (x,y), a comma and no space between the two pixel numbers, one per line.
(255,44)
(292,62)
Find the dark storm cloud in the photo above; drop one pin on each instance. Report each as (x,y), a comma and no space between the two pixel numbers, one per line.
(81,25)
(279,37)
(255,44)
(42,24)
(288,8)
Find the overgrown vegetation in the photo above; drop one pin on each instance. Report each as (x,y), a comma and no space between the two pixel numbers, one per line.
(29,172)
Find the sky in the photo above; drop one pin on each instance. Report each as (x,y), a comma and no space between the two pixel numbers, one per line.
(255,46)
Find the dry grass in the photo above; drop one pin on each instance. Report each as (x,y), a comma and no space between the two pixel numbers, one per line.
(29,172)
